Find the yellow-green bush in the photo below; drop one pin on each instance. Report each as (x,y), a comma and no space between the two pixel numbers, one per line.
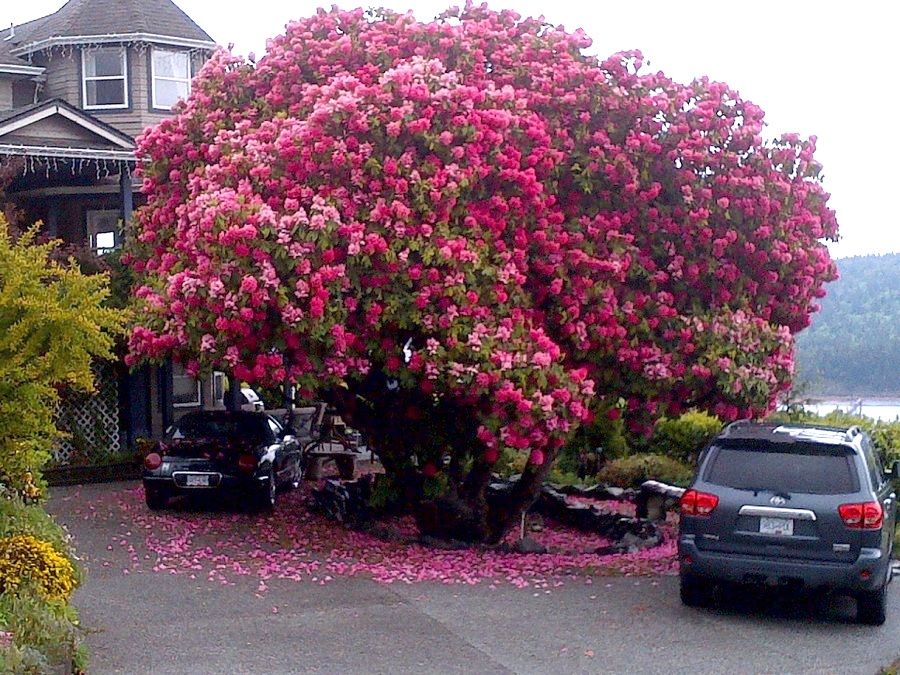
(17,517)
(53,324)
(682,437)
(632,471)
(24,559)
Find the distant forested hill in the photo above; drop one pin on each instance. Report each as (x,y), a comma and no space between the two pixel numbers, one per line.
(853,345)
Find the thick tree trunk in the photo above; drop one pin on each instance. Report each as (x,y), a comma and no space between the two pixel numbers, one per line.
(466,512)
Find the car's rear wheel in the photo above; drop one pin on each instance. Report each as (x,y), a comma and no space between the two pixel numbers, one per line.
(695,592)
(871,606)
(267,494)
(156,499)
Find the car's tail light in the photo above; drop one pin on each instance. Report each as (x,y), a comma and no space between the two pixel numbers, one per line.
(696,503)
(247,463)
(865,516)
(153,461)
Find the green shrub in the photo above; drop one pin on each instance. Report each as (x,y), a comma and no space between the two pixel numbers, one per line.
(386,494)
(557,477)
(53,324)
(603,433)
(23,660)
(24,558)
(886,435)
(41,633)
(17,517)
(683,437)
(510,463)
(632,471)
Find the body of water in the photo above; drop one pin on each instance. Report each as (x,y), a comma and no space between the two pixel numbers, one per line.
(887,410)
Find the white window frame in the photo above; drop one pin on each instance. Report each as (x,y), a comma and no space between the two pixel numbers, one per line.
(154,77)
(179,373)
(218,390)
(98,222)
(100,78)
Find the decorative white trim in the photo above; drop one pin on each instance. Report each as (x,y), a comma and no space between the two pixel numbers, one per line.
(50,152)
(95,128)
(28,120)
(117,38)
(15,69)
(80,120)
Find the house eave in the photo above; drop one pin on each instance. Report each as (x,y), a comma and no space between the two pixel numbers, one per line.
(53,152)
(14,69)
(111,38)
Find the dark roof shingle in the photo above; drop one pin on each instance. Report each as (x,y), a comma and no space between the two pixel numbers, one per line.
(97,18)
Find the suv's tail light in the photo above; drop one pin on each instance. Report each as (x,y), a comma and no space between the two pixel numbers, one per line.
(247,463)
(153,461)
(696,503)
(866,516)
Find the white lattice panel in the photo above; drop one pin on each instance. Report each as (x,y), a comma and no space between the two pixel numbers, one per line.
(92,421)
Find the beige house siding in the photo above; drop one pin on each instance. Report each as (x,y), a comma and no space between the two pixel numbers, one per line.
(63,75)
(6,94)
(24,92)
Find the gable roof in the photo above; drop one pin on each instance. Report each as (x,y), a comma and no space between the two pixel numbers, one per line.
(87,138)
(99,21)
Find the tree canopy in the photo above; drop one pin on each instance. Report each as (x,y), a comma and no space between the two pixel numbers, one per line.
(853,344)
(511,234)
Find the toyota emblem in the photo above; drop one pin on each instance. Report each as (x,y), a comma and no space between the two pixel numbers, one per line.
(777,501)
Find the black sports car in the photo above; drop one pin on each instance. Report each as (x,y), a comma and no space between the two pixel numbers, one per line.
(219,451)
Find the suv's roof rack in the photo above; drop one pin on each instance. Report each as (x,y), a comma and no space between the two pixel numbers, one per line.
(735,426)
(853,431)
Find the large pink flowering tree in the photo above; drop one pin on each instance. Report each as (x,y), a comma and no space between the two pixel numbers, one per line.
(471,237)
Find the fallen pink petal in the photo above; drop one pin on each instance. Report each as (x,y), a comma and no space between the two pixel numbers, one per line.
(299,545)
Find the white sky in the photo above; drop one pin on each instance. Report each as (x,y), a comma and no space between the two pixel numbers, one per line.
(815,67)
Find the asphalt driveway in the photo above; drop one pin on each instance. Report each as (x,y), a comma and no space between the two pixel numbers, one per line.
(143,621)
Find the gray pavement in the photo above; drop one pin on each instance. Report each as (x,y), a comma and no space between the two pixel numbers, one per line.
(147,622)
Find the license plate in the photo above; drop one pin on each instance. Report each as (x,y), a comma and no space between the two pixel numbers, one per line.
(197,480)
(783,527)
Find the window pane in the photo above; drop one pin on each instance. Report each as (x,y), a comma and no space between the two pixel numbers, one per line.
(105,241)
(102,227)
(105,92)
(812,469)
(170,64)
(104,63)
(185,389)
(167,92)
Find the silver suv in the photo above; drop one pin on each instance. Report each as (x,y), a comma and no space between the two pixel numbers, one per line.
(799,506)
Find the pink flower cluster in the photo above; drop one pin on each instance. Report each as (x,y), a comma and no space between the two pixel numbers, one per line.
(477,209)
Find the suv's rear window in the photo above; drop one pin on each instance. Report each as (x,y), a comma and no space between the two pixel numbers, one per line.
(801,467)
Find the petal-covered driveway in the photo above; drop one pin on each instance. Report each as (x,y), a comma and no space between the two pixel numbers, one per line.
(216,590)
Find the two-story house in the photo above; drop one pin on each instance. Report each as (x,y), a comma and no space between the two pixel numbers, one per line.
(76,87)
